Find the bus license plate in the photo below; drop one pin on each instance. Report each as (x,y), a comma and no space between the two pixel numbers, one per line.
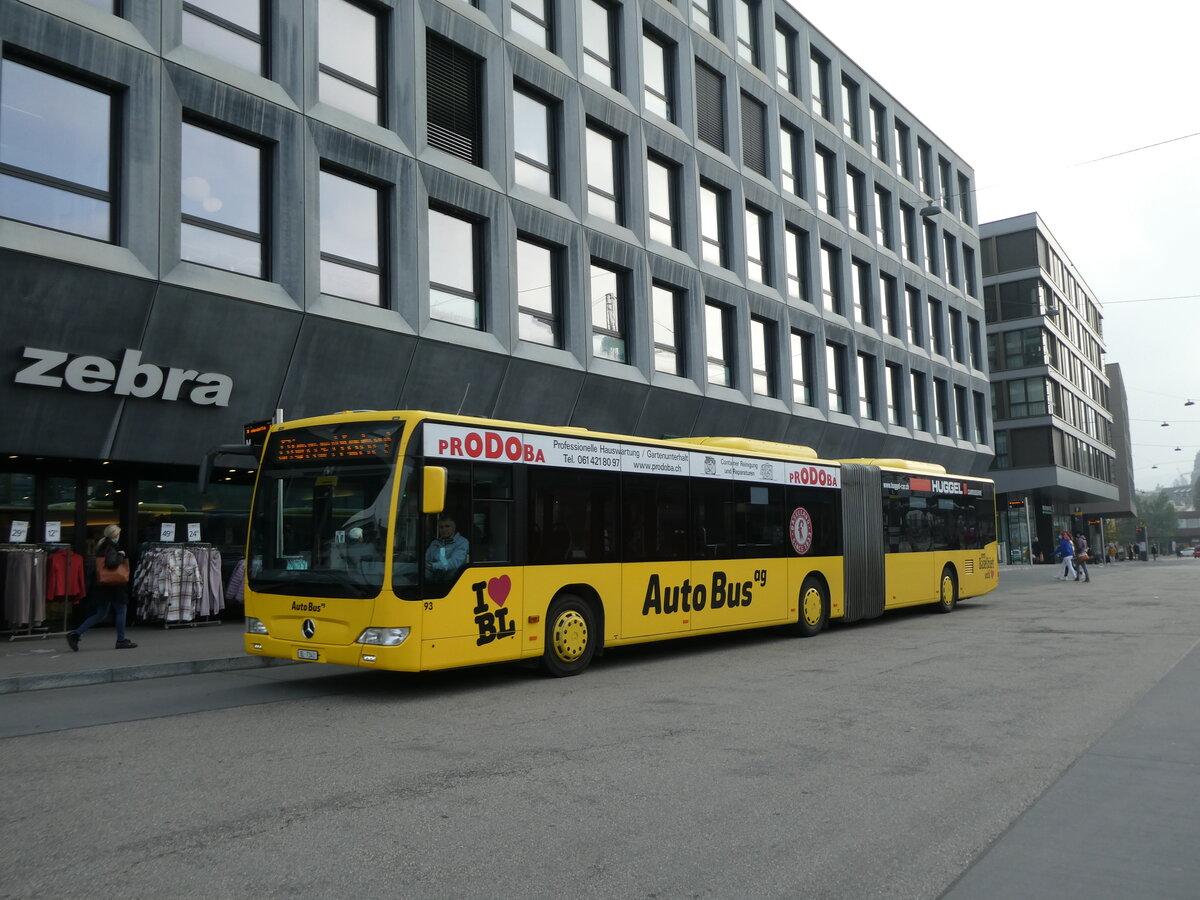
(307,654)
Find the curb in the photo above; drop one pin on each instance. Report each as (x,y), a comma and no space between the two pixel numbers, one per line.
(17,683)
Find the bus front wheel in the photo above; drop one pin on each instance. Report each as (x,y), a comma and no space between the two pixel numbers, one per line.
(814,608)
(571,636)
(948,595)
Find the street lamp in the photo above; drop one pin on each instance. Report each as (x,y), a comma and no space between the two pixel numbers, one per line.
(930,211)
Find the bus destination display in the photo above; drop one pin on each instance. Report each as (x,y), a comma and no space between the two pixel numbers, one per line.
(305,446)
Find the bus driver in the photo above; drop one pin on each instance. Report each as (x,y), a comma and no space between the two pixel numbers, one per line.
(447,553)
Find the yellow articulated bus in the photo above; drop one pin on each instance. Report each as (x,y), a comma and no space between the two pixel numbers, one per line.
(415,541)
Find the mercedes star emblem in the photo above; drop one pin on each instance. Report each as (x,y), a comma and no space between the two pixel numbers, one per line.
(309,628)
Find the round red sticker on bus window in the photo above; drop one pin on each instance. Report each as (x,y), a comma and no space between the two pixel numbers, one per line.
(801,531)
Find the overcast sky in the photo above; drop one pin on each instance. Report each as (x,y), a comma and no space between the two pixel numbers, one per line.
(1028,94)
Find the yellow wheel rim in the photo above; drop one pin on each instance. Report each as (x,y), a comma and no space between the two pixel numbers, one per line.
(811,607)
(947,591)
(570,636)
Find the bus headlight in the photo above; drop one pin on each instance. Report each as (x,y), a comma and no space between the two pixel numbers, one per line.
(255,626)
(384,637)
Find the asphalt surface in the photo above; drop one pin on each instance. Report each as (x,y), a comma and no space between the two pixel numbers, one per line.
(1040,742)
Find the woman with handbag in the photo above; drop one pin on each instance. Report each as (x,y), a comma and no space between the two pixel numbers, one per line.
(110,588)
(1081,558)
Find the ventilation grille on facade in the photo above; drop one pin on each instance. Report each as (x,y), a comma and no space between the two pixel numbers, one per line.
(452,99)
(754,144)
(710,106)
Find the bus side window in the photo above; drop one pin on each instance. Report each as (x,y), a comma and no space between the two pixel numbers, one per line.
(824,509)
(759,520)
(655,526)
(491,513)
(895,508)
(573,516)
(457,510)
(986,512)
(917,529)
(490,532)
(712,511)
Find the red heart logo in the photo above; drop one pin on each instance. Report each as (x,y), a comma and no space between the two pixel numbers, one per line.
(498,589)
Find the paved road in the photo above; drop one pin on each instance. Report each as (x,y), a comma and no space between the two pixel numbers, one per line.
(879,760)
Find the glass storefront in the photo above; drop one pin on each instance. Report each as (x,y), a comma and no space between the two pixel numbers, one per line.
(16,503)
(71,503)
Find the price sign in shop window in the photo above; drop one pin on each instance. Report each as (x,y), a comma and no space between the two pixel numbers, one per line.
(167,531)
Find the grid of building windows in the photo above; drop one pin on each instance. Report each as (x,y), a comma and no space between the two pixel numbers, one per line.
(577,214)
(1050,392)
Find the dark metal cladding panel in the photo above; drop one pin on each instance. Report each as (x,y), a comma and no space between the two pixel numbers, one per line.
(862,530)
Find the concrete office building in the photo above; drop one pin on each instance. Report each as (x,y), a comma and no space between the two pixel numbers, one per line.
(1055,465)
(646,217)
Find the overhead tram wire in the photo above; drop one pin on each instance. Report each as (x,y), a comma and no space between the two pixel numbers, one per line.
(1088,162)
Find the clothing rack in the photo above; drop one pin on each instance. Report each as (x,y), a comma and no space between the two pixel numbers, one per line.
(65,597)
(211,617)
(32,607)
(176,602)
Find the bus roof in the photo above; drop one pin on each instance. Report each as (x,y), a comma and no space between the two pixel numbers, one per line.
(904,465)
(750,445)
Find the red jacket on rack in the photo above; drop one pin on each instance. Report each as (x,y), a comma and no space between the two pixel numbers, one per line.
(63,583)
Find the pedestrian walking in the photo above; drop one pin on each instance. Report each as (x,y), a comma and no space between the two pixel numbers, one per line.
(1065,552)
(1081,557)
(109,589)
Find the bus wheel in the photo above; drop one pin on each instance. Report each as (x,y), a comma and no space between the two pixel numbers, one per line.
(814,608)
(948,597)
(571,637)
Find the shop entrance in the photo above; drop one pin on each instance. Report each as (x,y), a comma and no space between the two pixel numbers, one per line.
(54,510)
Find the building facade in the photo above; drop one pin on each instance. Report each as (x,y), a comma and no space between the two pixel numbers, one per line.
(1055,467)
(646,217)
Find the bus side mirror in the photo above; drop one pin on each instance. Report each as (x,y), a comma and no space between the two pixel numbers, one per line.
(433,490)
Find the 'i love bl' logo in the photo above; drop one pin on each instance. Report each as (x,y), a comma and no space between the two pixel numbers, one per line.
(493,625)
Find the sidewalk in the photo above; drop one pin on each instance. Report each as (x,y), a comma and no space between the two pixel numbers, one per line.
(31,664)
(1121,821)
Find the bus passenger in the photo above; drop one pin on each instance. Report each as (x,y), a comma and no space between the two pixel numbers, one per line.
(447,553)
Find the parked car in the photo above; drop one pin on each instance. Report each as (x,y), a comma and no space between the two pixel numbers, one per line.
(1187,551)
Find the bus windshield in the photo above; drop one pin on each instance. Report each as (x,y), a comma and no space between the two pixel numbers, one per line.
(320,521)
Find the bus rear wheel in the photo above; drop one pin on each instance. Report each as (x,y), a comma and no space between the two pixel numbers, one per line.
(948,595)
(814,608)
(571,637)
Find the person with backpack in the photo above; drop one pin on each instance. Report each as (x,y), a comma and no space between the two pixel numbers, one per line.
(1081,557)
(110,589)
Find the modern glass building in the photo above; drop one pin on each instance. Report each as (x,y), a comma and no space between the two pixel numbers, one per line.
(649,217)
(1058,418)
